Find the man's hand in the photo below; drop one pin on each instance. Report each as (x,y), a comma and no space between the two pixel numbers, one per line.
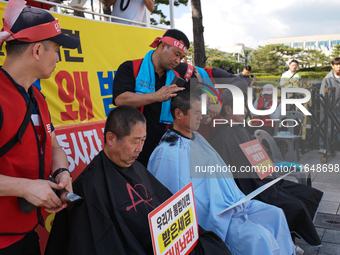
(40,193)
(108,3)
(64,181)
(214,110)
(210,100)
(150,5)
(205,119)
(167,92)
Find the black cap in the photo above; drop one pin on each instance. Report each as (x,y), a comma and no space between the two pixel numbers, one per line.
(31,17)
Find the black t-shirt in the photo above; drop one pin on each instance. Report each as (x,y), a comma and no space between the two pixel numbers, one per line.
(124,81)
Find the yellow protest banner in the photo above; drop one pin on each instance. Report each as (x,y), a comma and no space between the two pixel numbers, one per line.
(80,88)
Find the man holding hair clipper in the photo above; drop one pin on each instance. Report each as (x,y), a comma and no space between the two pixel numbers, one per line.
(29,150)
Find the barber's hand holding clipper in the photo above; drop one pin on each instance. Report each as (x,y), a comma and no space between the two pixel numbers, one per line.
(63,178)
(54,193)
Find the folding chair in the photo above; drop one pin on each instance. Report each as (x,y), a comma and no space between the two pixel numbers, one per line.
(301,175)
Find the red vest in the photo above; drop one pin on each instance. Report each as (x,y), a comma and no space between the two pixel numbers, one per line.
(24,160)
(255,120)
(209,72)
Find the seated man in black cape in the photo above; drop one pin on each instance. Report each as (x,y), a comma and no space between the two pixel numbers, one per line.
(119,194)
(299,202)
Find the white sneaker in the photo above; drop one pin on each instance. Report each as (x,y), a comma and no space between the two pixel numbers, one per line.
(298,250)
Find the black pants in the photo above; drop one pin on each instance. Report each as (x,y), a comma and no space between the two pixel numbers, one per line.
(29,245)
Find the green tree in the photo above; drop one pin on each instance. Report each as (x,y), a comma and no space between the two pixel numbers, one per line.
(215,54)
(214,57)
(269,58)
(157,12)
(336,51)
(272,58)
(313,58)
(246,56)
(226,63)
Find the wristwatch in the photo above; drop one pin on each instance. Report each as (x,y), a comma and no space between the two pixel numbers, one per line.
(59,170)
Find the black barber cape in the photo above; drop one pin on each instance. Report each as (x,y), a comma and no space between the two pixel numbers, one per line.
(114,216)
(299,202)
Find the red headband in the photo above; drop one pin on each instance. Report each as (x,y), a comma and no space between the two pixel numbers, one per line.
(189,72)
(36,33)
(170,41)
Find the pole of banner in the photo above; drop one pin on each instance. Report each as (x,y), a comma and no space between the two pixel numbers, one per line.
(172,15)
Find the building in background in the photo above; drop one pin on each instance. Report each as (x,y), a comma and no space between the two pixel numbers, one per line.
(325,43)
(236,49)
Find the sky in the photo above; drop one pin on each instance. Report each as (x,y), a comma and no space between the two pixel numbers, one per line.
(252,22)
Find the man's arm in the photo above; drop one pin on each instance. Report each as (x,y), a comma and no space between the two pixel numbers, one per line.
(298,80)
(124,86)
(137,100)
(59,160)
(39,192)
(283,81)
(324,84)
(110,2)
(150,5)
(253,81)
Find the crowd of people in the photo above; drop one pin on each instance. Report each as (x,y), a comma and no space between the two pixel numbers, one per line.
(153,140)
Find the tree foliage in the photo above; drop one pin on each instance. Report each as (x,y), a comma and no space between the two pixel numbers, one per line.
(336,51)
(246,56)
(157,12)
(268,58)
(312,58)
(272,58)
(215,58)
(214,55)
